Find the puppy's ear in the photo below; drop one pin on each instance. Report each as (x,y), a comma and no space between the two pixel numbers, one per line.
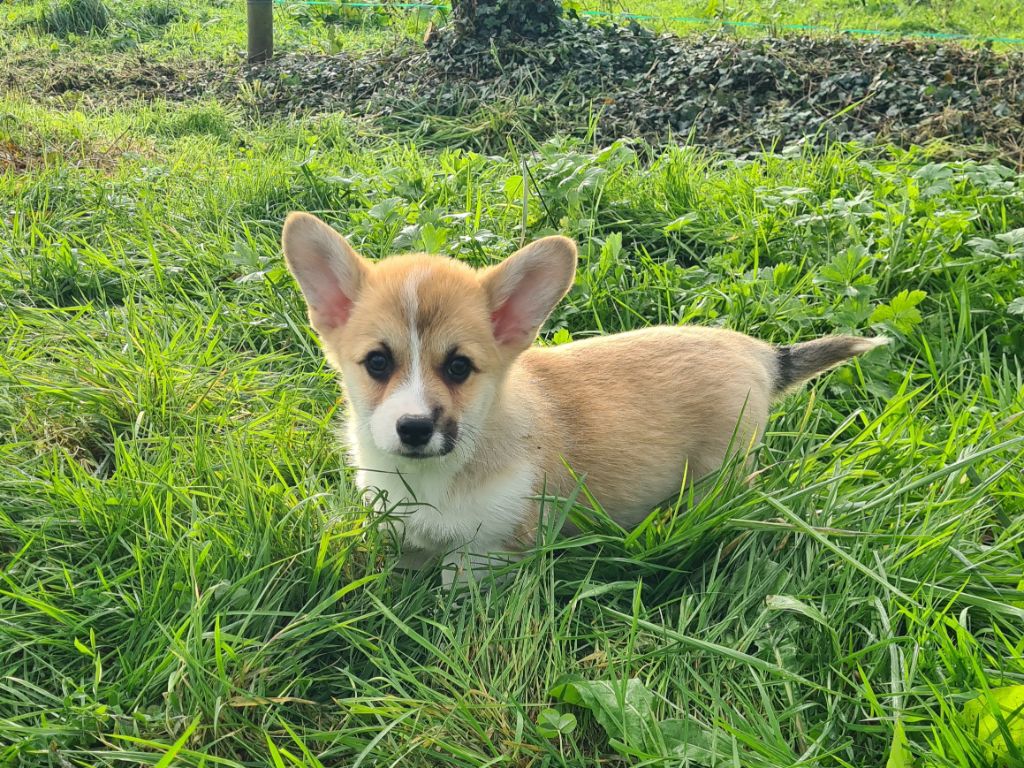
(524,288)
(329,272)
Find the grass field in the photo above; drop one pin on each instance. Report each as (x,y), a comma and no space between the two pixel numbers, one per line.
(991,18)
(187,579)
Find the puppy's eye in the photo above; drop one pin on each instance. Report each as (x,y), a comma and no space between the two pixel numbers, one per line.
(457,369)
(378,365)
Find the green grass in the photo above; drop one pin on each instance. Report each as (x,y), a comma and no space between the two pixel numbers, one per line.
(989,18)
(74,17)
(187,577)
(183,558)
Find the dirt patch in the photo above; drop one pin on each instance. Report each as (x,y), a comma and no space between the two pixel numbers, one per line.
(32,152)
(144,80)
(117,78)
(717,91)
(14,158)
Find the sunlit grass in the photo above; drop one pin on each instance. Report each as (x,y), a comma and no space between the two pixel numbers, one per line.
(186,574)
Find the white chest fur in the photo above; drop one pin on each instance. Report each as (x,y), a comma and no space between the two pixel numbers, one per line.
(441,508)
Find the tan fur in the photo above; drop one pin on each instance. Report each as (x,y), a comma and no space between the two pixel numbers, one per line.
(636,411)
(639,414)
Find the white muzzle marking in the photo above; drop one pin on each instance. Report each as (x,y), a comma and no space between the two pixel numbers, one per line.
(410,396)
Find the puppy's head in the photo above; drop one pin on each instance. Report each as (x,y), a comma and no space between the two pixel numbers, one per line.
(422,342)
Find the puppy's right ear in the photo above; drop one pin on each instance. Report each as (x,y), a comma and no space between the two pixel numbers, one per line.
(525,287)
(329,272)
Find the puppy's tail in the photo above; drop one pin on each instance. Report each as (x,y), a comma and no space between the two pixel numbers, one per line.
(797,363)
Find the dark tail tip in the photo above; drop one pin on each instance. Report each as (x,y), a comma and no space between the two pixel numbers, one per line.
(799,362)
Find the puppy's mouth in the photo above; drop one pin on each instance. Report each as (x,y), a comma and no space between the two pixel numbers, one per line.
(424,453)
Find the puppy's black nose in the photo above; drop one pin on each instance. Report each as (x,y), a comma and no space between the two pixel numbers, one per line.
(415,431)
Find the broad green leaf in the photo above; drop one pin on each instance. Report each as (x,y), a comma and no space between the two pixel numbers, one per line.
(1013,238)
(552,723)
(688,740)
(788,603)
(385,209)
(623,708)
(997,717)
(901,313)
(561,336)
(680,223)
(514,188)
(899,751)
(625,711)
(848,270)
(610,250)
(432,239)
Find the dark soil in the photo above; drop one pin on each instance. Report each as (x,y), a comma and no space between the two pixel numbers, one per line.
(94,80)
(716,91)
(610,82)
(138,78)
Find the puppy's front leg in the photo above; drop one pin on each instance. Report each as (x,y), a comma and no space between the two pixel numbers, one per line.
(415,559)
(464,565)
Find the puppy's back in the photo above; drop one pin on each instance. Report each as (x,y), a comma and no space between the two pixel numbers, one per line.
(635,411)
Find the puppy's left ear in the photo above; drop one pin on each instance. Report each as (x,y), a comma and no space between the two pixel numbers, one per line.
(524,288)
(328,270)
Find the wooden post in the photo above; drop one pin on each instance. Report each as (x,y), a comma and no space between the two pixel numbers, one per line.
(261,30)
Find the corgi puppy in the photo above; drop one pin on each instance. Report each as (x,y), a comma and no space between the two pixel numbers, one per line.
(456,423)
